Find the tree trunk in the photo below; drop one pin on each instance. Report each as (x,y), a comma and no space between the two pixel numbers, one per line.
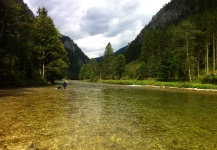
(207,58)
(213,68)
(198,68)
(205,66)
(43,69)
(188,61)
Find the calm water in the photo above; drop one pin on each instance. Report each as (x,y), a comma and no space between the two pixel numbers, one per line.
(90,116)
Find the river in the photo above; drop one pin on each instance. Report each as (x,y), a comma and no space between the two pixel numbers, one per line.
(88,116)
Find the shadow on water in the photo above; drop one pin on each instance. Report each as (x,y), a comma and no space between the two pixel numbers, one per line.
(103,116)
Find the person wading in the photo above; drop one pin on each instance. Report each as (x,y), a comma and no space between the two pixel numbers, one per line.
(65,83)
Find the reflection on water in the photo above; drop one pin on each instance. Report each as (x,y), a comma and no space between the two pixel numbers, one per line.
(100,116)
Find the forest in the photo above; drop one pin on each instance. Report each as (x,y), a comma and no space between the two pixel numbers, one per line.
(184,49)
(31,52)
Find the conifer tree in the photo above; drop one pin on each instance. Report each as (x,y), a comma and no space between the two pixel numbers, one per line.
(50,53)
(107,70)
(185,35)
(119,65)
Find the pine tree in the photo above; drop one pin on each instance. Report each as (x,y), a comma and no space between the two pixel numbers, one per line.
(50,52)
(119,66)
(184,36)
(107,70)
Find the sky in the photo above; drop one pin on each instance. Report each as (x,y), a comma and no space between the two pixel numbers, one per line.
(92,24)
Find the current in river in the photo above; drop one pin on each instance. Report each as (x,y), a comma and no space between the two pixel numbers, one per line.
(96,116)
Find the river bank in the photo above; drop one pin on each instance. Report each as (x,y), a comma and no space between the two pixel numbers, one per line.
(155,83)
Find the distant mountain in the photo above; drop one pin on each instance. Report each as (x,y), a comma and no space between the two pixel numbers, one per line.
(171,13)
(76,57)
(120,51)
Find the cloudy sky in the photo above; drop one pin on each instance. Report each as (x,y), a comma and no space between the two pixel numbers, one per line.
(93,23)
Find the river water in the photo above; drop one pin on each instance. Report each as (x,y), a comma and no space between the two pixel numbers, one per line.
(89,116)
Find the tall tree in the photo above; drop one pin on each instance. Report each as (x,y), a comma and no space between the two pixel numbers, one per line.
(107,70)
(185,34)
(168,67)
(119,65)
(93,70)
(51,55)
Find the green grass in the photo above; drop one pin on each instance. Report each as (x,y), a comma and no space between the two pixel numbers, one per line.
(162,83)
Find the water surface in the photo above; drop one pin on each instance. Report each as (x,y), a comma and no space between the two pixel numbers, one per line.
(97,116)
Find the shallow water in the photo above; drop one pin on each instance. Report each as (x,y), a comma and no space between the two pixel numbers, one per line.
(97,116)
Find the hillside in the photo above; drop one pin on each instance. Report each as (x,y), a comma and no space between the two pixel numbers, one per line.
(179,43)
(171,13)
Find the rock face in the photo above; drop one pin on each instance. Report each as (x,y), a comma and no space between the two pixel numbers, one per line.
(76,57)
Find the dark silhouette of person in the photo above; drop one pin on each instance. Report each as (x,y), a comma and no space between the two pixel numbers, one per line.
(65,83)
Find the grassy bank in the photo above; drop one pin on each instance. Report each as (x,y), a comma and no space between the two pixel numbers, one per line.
(162,83)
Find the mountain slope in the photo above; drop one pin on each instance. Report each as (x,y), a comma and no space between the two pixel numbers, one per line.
(76,57)
(171,13)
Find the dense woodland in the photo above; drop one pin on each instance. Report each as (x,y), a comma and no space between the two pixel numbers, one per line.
(31,52)
(183,48)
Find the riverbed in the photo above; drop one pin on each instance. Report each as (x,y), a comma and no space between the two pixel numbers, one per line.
(88,116)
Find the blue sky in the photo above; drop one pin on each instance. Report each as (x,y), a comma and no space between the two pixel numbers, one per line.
(93,23)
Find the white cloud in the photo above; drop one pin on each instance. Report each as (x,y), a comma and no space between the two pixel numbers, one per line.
(93,24)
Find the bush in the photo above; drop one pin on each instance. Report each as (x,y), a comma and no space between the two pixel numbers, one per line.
(209,79)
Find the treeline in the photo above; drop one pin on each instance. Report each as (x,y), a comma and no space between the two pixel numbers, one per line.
(111,67)
(183,51)
(31,52)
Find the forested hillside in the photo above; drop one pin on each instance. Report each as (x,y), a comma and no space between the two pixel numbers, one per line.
(31,52)
(178,43)
(171,14)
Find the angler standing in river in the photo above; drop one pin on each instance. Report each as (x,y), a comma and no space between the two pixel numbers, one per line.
(65,83)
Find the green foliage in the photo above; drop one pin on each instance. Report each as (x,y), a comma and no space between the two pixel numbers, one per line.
(154,83)
(83,72)
(110,68)
(90,71)
(177,50)
(51,55)
(184,36)
(168,68)
(26,43)
(16,42)
(119,65)
(133,51)
(107,70)
(143,71)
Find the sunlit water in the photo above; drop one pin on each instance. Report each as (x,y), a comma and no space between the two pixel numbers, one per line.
(89,116)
